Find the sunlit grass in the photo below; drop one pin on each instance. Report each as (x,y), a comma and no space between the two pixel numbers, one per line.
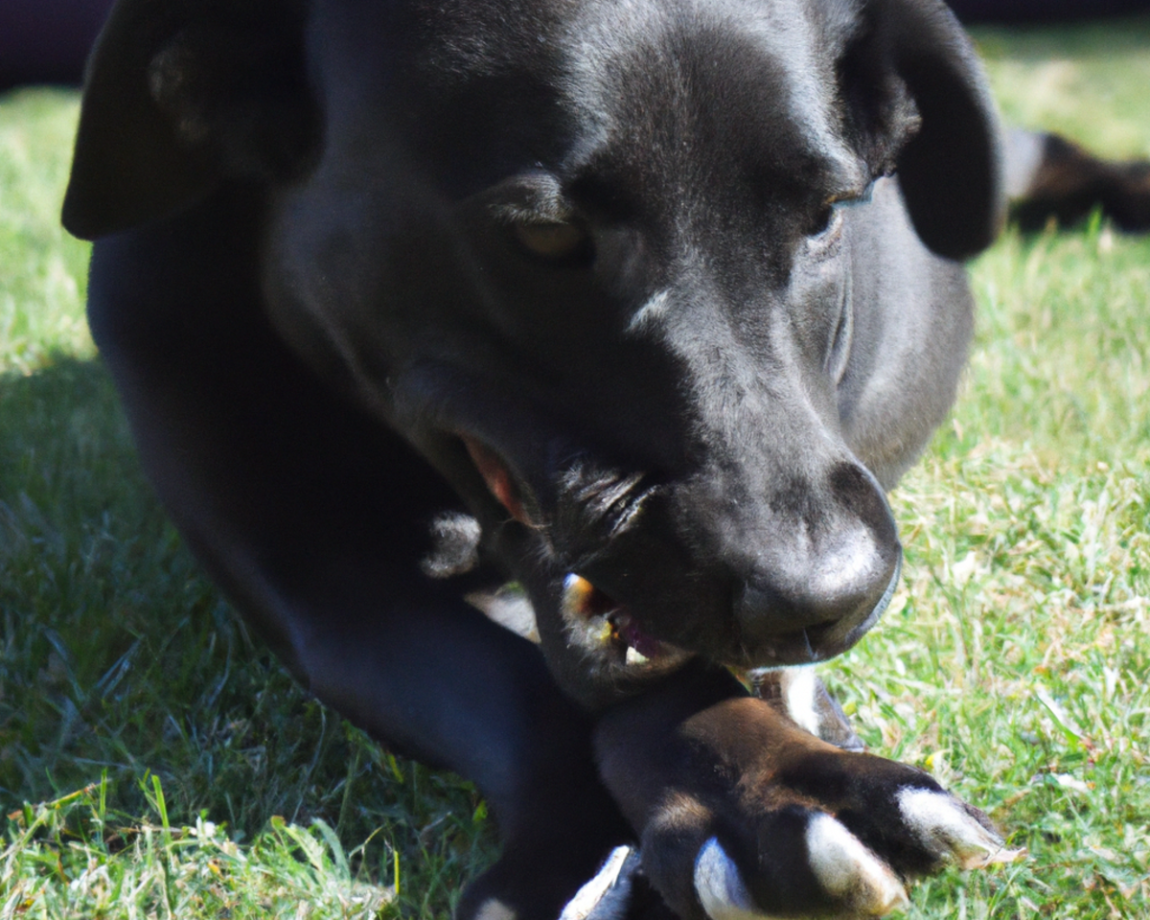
(44,271)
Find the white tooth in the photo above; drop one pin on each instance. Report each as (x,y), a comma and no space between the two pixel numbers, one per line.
(720,887)
(634,657)
(847,870)
(944,827)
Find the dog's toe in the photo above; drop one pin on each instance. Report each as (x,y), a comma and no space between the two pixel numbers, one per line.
(606,895)
(853,881)
(849,872)
(720,886)
(950,830)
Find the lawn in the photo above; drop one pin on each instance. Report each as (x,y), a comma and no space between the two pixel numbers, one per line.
(155,760)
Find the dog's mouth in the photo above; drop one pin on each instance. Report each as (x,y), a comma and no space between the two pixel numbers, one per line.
(608,630)
(595,621)
(602,626)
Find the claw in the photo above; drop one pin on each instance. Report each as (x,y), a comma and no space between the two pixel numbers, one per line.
(950,831)
(850,872)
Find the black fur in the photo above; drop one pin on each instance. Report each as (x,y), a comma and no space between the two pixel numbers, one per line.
(630,283)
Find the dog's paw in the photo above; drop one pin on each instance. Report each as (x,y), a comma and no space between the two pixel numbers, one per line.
(608,894)
(850,874)
(547,884)
(553,843)
(743,815)
(786,852)
(837,874)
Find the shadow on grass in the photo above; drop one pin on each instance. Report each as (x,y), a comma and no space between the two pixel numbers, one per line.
(119,658)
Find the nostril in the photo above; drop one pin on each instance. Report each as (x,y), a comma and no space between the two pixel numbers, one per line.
(860,495)
(834,578)
(841,587)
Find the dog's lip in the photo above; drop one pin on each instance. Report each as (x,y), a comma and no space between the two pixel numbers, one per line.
(803,646)
(496,473)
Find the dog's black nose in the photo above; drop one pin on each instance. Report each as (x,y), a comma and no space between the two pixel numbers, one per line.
(828,575)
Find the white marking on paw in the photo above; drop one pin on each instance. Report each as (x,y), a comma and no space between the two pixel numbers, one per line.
(800,687)
(720,887)
(494,909)
(589,896)
(944,827)
(847,870)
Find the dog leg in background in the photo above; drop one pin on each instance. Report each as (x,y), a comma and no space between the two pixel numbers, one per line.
(1049,178)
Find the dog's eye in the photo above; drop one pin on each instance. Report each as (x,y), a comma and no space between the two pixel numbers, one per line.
(828,220)
(823,219)
(827,223)
(553,241)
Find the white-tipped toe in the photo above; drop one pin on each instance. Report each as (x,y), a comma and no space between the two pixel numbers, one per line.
(591,895)
(494,909)
(944,827)
(849,871)
(720,887)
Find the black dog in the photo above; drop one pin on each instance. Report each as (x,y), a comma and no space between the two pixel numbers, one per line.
(642,303)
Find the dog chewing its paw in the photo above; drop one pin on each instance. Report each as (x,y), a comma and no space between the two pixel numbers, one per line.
(639,307)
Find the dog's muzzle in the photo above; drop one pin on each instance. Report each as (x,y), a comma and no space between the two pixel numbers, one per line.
(792,601)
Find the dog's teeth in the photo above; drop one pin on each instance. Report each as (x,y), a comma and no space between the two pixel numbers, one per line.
(720,887)
(850,872)
(946,829)
(634,657)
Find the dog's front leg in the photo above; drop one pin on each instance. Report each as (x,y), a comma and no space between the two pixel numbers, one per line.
(743,814)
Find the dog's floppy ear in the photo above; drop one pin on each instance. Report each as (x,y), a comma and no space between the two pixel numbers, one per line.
(180,95)
(912,70)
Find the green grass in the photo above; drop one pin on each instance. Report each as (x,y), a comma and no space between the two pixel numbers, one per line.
(179,771)
(119,662)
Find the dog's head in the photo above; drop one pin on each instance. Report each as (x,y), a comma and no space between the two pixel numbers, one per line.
(626,271)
